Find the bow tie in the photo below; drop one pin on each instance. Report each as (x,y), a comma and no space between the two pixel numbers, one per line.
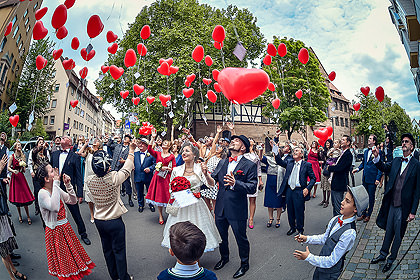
(340,222)
(404,160)
(233,159)
(65,151)
(142,153)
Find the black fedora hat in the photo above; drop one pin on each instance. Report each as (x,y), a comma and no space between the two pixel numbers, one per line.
(244,140)
(409,136)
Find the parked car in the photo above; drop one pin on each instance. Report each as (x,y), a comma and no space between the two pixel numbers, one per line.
(27,146)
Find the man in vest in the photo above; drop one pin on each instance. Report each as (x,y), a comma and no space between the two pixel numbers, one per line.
(400,200)
(338,238)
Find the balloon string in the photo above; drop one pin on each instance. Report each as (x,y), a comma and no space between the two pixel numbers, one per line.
(223,57)
(112,9)
(281,74)
(309,87)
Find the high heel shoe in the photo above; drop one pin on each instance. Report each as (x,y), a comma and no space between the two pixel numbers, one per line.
(270,222)
(161,222)
(251,226)
(20,220)
(29,221)
(278,223)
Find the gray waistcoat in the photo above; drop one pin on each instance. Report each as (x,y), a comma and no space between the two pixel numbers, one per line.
(398,185)
(330,244)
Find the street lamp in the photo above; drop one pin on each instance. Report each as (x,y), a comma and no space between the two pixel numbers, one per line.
(332,121)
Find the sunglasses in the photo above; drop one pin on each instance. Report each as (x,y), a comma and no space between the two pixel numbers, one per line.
(406,141)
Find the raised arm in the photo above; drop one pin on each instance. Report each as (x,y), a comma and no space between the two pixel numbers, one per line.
(120,176)
(219,130)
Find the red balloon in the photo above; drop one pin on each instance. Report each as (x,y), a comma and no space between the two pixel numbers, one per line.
(145,32)
(94,26)
(303,56)
(323,134)
(276,103)
(150,99)
(282,50)
(330,130)
(113,49)
(191,78)
(124,94)
(271,86)
(380,94)
(207,81)
(242,85)
(208,61)
(59,17)
(211,96)
(40,62)
(198,53)
(116,72)
(75,43)
(39,31)
(365,90)
(218,45)
(187,84)
(73,103)
(8,29)
(218,33)
(111,37)
(57,54)
(83,72)
(130,58)
(173,70)
(14,120)
(321,142)
(135,100)
(41,13)
(299,94)
(164,99)
(356,106)
(68,64)
(69,3)
(138,89)
(215,74)
(188,92)
(87,56)
(331,76)
(61,33)
(104,68)
(267,59)
(271,50)
(217,87)
(164,69)
(170,61)
(141,49)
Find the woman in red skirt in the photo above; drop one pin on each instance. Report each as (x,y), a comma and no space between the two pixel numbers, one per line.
(313,158)
(19,193)
(158,193)
(67,259)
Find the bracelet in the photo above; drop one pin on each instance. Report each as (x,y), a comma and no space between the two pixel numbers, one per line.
(131,154)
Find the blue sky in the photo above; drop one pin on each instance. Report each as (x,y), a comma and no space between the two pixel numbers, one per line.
(355,38)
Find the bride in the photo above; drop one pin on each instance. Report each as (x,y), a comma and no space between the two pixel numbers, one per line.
(197,213)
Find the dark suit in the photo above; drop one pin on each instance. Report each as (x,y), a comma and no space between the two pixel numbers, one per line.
(72,168)
(295,200)
(371,174)
(121,152)
(142,178)
(340,180)
(410,194)
(232,205)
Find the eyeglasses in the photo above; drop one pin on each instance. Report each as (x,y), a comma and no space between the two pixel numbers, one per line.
(406,141)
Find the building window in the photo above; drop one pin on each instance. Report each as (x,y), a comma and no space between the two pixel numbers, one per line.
(341,106)
(345,107)
(21,45)
(54,103)
(75,124)
(17,70)
(347,122)
(72,91)
(28,28)
(341,121)
(3,75)
(57,87)
(14,20)
(337,122)
(80,126)
(45,120)
(14,65)
(35,6)
(25,14)
(26,21)
(335,105)
(52,119)
(82,113)
(18,39)
(16,31)
(3,44)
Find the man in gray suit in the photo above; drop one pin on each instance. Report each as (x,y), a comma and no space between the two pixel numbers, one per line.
(119,156)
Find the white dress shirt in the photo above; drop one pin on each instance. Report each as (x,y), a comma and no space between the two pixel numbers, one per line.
(185,270)
(294,176)
(231,167)
(62,159)
(344,244)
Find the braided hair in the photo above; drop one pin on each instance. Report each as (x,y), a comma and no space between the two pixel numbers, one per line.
(41,174)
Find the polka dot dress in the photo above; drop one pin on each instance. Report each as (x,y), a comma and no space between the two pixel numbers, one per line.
(67,259)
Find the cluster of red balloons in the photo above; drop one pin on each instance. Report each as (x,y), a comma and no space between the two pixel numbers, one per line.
(164,99)
(146,129)
(323,134)
(272,51)
(218,36)
(379,92)
(165,67)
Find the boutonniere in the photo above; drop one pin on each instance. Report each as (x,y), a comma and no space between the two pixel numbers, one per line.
(147,154)
(239,172)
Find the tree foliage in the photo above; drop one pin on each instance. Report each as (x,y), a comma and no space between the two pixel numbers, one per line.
(35,87)
(289,75)
(178,26)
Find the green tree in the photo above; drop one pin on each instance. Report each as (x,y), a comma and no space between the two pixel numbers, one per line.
(401,119)
(289,75)
(37,130)
(178,26)
(35,87)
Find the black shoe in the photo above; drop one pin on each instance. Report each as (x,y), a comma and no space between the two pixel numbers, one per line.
(220,264)
(152,208)
(141,209)
(291,231)
(378,259)
(241,271)
(300,231)
(387,267)
(15,256)
(122,193)
(130,202)
(15,263)
(86,240)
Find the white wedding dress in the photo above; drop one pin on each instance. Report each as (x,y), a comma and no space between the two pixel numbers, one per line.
(197,213)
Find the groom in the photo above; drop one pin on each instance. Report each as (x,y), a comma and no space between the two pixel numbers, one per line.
(237,177)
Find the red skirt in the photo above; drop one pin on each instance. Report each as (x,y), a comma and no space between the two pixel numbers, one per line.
(67,259)
(158,193)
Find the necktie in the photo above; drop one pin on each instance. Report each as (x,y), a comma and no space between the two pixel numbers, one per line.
(233,159)
(340,222)
(293,176)
(404,160)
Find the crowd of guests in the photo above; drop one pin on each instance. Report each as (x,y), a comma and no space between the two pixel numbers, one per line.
(205,186)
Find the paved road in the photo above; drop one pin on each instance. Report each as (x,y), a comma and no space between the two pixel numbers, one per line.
(271,249)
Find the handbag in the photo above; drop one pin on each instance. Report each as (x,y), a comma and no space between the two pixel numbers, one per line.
(325,171)
(172,210)
(4,208)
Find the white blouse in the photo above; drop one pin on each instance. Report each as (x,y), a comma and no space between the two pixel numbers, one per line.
(49,204)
